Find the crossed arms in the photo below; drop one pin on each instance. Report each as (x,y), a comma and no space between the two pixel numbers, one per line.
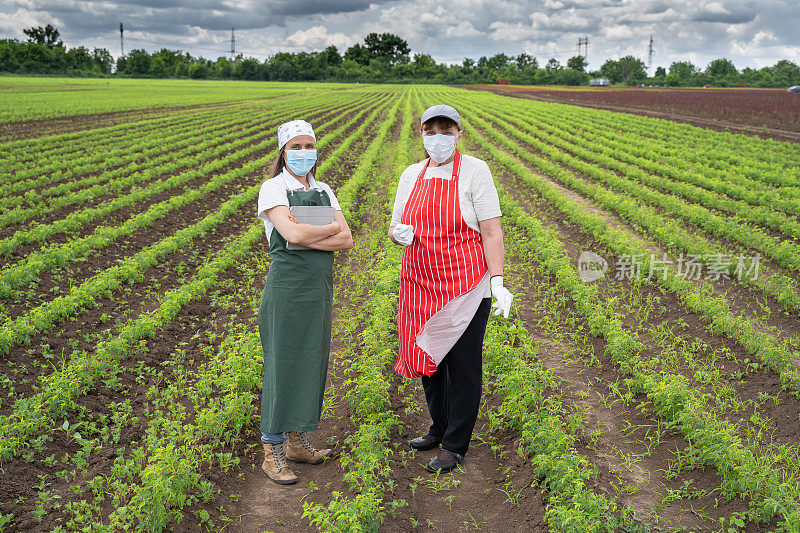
(330,237)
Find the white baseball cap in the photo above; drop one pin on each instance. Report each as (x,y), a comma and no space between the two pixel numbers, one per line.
(441,110)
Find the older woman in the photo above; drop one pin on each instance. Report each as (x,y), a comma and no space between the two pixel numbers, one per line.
(294,318)
(447,215)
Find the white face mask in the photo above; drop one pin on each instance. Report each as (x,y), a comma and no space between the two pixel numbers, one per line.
(440,146)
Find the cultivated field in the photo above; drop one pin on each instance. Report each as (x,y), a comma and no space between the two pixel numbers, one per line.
(664,396)
(767,113)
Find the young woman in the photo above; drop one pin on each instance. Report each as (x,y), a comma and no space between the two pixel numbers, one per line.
(294,318)
(447,215)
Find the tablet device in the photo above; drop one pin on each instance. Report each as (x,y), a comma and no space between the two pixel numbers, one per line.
(318,215)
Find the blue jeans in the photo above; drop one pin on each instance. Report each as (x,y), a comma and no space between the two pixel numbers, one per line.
(272,438)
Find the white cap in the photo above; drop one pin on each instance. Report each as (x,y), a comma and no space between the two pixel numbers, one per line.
(441,110)
(293,128)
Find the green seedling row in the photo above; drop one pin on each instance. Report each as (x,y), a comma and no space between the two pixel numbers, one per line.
(670,160)
(207,150)
(365,460)
(744,473)
(666,231)
(26,271)
(157,142)
(785,253)
(58,390)
(47,150)
(21,329)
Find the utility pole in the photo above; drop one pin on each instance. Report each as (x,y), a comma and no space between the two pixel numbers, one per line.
(650,57)
(233,45)
(583,42)
(121,47)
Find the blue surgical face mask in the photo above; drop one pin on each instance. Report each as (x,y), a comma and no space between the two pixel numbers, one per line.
(301,161)
(440,146)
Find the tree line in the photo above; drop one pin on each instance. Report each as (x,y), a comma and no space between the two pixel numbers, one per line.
(381,58)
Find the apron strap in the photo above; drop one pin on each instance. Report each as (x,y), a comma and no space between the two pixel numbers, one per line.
(456,166)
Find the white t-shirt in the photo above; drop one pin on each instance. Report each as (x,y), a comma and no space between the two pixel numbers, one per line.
(273,192)
(477,194)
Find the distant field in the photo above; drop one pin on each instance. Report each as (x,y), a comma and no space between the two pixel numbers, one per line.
(132,264)
(26,98)
(738,109)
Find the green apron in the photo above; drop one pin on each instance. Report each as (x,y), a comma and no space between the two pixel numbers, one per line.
(294,323)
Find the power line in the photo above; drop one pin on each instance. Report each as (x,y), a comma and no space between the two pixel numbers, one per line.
(121,47)
(559,53)
(233,46)
(650,57)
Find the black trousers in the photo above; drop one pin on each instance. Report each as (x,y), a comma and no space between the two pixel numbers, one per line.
(453,392)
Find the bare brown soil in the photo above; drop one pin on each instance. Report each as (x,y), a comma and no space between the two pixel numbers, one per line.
(737,120)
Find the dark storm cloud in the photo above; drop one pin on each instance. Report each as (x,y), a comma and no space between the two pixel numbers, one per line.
(576,4)
(291,7)
(160,15)
(737,17)
(654,8)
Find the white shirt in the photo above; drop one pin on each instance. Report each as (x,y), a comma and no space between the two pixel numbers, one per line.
(273,192)
(477,194)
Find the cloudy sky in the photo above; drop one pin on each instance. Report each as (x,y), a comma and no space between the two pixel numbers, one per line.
(751,33)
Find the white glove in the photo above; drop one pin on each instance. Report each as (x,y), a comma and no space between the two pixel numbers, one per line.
(502,297)
(404,234)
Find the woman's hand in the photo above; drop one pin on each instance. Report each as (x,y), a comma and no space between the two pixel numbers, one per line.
(494,250)
(334,226)
(403,234)
(502,296)
(341,240)
(299,233)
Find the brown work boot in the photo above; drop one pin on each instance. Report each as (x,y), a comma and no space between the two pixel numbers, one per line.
(298,449)
(275,464)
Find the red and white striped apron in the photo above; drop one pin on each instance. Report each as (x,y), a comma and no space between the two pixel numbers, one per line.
(441,267)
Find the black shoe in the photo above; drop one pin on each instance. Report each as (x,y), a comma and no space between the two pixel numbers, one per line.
(425,442)
(444,461)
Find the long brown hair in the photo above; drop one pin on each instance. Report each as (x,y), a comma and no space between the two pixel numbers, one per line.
(278,164)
